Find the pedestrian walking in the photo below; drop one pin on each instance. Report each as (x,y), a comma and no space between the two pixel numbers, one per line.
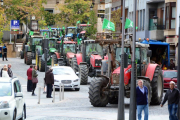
(49,79)
(34,79)
(172,96)
(29,75)
(4,72)
(142,100)
(10,73)
(4,52)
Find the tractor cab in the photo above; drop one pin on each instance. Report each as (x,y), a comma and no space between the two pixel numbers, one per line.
(70,33)
(92,48)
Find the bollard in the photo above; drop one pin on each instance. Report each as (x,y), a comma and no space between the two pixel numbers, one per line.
(39,95)
(60,92)
(53,94)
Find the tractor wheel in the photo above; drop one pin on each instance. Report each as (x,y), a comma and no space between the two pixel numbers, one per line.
(55,58)
(41,65)
(83,74)
(97,95)
(148,85)
(157,87)
(74,64)
(21,54)
(28,58)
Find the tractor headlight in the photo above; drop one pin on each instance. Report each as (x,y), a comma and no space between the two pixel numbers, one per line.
(96,64)
(4,104)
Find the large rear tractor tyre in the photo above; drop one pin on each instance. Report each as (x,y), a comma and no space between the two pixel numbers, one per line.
(74,64)
(28,58)
(148,85)
(41,65)
(21,54)
(83,74)
(97,94)
(157,87)
(55,58)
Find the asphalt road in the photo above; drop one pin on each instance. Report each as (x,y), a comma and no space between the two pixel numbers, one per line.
(75,106)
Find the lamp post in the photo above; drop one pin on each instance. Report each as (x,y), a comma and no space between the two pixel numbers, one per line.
(178,65)
(91,8)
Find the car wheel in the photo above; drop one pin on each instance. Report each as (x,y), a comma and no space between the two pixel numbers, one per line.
(14,115)
(23,115)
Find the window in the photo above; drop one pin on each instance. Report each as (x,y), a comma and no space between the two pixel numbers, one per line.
(15,88)
(170,15)
(18,86)
(143,18)
(140,19)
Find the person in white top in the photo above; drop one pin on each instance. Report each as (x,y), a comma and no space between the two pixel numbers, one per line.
(4,72)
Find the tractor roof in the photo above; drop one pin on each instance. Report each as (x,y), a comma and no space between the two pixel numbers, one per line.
(68,42)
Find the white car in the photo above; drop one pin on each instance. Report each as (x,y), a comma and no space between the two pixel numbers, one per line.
(66,76)
(12,103)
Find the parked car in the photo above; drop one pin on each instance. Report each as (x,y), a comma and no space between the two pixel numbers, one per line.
(169,75)
(66,76)
(12,103)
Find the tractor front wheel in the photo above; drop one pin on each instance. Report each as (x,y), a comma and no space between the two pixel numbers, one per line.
(83,74)
(41,65)
(74,64)
(148,85)
(28,58)
(157,87)
(97,93)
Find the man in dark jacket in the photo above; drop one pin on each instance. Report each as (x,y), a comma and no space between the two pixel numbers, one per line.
(10,71)
(142,100)
(4,52)
(172,95)
(49,79)
(29,82)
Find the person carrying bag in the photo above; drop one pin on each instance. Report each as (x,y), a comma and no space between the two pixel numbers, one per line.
(34,79)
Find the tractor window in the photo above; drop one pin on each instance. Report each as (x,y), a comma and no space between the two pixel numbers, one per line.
(137,56)
(94,48)
(144,59)
(71,31)
(36,41)
(69,48)
(118,54)
(52,43)
(45,34)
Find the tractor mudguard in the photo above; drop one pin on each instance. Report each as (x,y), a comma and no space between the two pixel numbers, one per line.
(143,78)
(150,71)
(79,58)
(57,55)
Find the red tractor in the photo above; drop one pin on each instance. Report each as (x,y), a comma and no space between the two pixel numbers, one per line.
(88,61)
(104,89)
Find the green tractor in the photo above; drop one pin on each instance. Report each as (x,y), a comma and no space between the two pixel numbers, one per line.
(30,48)
(52,53)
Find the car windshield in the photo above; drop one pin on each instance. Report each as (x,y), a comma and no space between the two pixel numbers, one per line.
(63,71)
(71,31)
(52,43)
(170,74)
(36,41)
(5,89)
(94,47)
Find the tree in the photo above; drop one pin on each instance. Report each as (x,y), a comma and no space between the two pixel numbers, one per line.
(91,30)
(18,9)
(2,23)
(116,18)
(73,11)
(49,18)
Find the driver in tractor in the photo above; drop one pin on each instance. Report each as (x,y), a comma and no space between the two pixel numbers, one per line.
(67,49)
(92,49)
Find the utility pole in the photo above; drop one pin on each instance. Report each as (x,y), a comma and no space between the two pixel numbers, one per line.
(132,111)
(121,81)
(178,65)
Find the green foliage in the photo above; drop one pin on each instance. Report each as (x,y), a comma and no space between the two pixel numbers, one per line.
(116,18)
(2,23)
(73,11)
(42,24)
(49,18)
(91,30)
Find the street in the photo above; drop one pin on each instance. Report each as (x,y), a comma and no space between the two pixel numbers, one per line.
(75,106)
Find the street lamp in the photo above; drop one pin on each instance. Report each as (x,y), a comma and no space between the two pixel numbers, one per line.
(1,2)
(91,8)
(155,20)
